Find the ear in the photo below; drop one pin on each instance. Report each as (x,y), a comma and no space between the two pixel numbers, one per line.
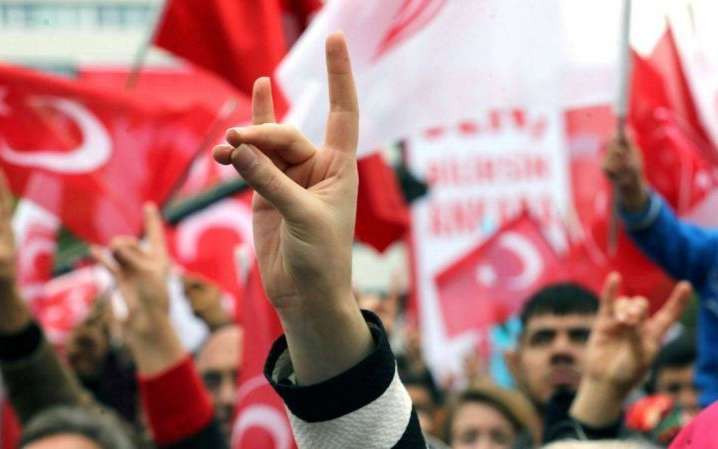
(513,363)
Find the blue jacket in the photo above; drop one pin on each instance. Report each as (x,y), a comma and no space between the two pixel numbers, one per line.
(690,253)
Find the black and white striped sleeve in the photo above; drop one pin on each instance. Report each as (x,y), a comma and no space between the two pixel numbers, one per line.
(365,407)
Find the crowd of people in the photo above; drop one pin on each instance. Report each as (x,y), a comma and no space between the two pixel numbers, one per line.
(348,373)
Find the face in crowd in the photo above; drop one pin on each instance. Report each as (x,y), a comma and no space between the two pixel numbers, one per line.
(479,425)
(490,417)
(549,357)
(218,363)
(673,374)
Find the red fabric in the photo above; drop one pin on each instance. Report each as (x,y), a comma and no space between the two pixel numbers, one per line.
(9,427)
(491,282)
(64,302)
(674,159)
(126,150)
(206,242)
(382,213)
(261,421)
(701,433)
(177,88)
(238,40)
(667,61)
(176,403)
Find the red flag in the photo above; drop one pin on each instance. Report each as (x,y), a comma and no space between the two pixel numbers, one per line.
(92,157)
(382,212)
(180,88)
(261,421)
(589,260)
(491,282)
(66,300)
(205,242)
(238,40)
(673,156)
(36,232)
(666,60)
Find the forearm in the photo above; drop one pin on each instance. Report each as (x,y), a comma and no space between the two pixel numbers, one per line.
(14,314)
(34,377)
(597,404)
(326,341)
(156,352)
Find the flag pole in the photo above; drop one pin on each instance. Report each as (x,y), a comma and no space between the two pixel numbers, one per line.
(621,108)
(141,55)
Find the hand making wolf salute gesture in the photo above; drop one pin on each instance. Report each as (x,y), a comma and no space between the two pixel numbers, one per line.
(624,343)
(304,211)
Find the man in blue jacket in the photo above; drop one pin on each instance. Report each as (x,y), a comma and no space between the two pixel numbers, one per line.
(684,250)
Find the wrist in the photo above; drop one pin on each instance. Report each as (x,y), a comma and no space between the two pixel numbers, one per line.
(634,198)
(156,351)
(598,403)
(325,341)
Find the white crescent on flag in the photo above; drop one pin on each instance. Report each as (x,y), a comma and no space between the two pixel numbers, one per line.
(531,264)
(94,151)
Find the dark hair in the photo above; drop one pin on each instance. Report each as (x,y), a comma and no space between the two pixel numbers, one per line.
(99,426)
(476,396)
(423,380)
(564,298)
(678,353)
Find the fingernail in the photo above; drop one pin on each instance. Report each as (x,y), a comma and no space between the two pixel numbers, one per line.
(233,134)
(243,158)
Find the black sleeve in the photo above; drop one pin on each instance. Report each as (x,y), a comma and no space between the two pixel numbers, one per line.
(365,406)
(210,437)
(559,425)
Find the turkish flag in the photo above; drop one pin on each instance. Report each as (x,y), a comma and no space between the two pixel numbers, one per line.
(492,281)
(261,421)
(89,156)
(65,301)
(239,40)
(673,149)
(36,231)
(667,62)
(382,213)
(205,243)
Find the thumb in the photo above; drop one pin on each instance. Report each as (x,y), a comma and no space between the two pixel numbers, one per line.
(268,180)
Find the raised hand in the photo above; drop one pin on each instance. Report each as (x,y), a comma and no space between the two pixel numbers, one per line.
(140,271)
(14,314)
(623,345)
(623,166)
(304,212)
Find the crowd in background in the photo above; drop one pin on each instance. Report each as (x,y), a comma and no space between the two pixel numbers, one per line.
(587,365)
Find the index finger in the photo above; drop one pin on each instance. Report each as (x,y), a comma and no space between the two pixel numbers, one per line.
(154,228)
(343,121)
(262,102)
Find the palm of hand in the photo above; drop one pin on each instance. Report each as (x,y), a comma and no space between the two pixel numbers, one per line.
(624,341)
(281,246)
(305,206)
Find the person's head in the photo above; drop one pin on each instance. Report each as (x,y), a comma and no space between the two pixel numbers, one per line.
(427,399)
(490,417)
(673,372)
(384,305)
(68,427)
(556,323)
(218,362)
